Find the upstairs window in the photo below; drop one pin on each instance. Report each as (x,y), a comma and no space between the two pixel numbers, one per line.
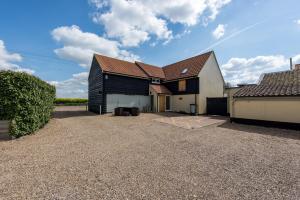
(181,85)
(184,71)
(156,80)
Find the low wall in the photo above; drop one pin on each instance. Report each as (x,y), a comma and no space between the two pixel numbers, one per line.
(280,109)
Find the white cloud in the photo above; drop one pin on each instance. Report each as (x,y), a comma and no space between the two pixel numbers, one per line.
(134,22)
(243,70)
(75,87)
(296,59)
(297,21)
(80,46)
(8,60)
(215,6)
(219,32)
(98,3)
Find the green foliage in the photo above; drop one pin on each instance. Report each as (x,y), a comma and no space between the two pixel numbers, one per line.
(70,101)
(25,100)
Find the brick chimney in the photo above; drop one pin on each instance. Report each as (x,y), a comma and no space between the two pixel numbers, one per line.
(297,67)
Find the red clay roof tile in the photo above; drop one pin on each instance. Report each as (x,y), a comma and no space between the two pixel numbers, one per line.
(159,89)
(192,65)
(113,65)
(182,69)
(151,70)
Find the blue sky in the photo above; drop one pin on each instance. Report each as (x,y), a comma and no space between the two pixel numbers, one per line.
(55,39)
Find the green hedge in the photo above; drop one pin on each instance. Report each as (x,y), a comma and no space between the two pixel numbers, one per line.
(25,100)
(70,101)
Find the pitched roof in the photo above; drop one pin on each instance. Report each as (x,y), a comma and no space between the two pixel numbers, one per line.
(192,66)
(159,89)
(285,83)
(151,70)
(117,66)
(183,69)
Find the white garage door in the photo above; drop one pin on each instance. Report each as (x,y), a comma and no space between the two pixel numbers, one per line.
(121,100)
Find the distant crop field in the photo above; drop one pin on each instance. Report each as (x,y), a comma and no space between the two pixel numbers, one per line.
(70,101)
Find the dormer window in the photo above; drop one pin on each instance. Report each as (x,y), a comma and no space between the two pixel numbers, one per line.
(156,80)
(184,71)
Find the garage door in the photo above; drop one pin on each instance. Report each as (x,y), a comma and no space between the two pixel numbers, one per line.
(217,106)
(120,100)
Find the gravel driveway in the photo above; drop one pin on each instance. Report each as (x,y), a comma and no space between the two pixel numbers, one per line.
(79,155)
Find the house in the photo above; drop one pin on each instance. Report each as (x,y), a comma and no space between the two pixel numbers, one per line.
(115,83)
(275,100)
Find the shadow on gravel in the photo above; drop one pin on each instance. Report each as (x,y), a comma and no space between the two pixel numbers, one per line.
(277,132)
(5,137)
(68,114)
(178,114)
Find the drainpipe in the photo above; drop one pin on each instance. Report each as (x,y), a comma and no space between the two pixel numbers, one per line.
(157,106)
(232,109)
(196,106)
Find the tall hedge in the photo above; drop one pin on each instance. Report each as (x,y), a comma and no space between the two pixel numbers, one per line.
(25,100)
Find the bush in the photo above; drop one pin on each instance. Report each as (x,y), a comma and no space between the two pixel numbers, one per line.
(25,100)
(70,101)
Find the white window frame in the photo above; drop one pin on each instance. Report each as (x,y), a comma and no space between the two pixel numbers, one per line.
(166,103)
(156,80)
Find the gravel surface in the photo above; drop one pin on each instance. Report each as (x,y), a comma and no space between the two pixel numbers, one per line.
(79,155)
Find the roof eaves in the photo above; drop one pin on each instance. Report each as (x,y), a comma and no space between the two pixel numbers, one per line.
(127,75)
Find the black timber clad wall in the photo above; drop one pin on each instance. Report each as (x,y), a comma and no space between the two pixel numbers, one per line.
(192,86)
(115,84)
(95,93)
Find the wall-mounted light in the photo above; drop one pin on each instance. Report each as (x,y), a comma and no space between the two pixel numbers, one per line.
(106,76)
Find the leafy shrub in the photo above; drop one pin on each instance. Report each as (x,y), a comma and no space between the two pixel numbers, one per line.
(70,101)
(25,100)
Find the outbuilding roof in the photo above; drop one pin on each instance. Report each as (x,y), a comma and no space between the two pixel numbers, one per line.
(285,83)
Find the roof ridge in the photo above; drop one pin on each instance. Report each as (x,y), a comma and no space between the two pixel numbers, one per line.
(278,72)
(147,64)
(108,65)
(209,52)
(114,58)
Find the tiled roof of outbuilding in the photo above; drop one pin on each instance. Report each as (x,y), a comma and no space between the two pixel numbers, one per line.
(285,83)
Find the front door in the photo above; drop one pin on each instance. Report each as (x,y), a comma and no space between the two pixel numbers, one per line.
(162,103)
